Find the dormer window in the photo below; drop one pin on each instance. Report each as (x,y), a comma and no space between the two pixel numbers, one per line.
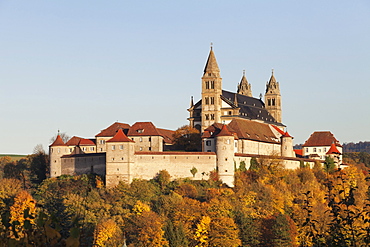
(140,130)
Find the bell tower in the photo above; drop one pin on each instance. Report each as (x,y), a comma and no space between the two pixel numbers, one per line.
(211,93)
(273,98)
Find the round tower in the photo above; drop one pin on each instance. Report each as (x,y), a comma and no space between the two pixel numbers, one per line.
(120,158)
(225,156)
(287,145)
(56,150)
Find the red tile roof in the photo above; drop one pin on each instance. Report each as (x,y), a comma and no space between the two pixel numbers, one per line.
(286,134)
(167,135)
(112,130)
(333,149)
(224,131)
(58,142)
(321,138)
(143,129)
(278,129)
(74,141)
(298,151)
(120,137)
(86,142)
(206,134)
(253,130)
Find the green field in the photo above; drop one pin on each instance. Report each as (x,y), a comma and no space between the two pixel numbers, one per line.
(14,156)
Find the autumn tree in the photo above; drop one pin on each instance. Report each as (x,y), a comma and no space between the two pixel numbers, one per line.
(39,165)
(187,138)
(22,214)
(104,230)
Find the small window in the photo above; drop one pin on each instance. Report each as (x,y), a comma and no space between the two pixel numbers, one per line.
(314,149)
(141,139)
(212,100)
(121,147)
(208,143)
(113,147)
(324,149)
(306,150)
(149,148)
(92,148)
(140,130)
(141,149)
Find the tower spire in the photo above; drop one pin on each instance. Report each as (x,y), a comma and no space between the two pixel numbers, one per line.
(211,65)
(244,87)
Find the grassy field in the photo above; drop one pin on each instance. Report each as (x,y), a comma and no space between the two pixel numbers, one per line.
(14,156)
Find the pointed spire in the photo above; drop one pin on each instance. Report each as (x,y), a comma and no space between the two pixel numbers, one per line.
(120,137)
(333,149)
(224,131)
(244,87)
(211,65)
(272,78)
(58,141)
(191,102)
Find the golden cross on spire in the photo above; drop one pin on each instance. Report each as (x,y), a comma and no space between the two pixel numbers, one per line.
(211,45)
(272,71)
(243,72)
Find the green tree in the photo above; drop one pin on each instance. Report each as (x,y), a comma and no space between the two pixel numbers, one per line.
(253,164)
(329,164)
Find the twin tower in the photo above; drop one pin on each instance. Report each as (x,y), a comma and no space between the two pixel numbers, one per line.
(217,106)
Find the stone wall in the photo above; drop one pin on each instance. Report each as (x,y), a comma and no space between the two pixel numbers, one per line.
(84,164)
(177,164)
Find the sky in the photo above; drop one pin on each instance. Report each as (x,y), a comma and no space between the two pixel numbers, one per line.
(79,66)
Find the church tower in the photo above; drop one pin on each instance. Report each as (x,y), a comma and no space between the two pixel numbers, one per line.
(211,93)
(244,87)
(273,98)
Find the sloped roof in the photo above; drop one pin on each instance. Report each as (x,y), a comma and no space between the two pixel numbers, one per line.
(253,130)
(211,65)
(321,138)
(333,149)
(250,108)
(167,135)
(224,131)
(58,142)
(278,129)
(298,152)
(143,129)
(120,137)
(86,142)
(112,129)
(74,141)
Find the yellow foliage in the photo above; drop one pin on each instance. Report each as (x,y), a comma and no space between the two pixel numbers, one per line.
(23,209)
(140,207)
(202,232)
(103,231)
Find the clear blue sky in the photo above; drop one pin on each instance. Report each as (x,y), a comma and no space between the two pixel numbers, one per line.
(79,66)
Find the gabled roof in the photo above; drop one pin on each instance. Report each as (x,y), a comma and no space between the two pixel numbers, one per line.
(321,138)
(58,142)
(120,137)
(253,130)
(250,108)
(86,142)
(74,141)
(333,149)
(286,134)
(112,129)
(278,129)
(244,129)
(143,129)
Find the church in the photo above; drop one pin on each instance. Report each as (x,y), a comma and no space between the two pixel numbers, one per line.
(235,127)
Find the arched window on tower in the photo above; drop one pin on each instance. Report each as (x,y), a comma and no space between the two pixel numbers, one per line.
(269,102)
(207,116)
(207,84)
(206,100)
(212,100)
(212,84)
(273,102)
